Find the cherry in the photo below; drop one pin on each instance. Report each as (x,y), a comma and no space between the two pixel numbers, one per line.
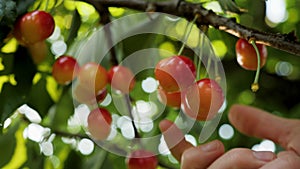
(246,55)
(99,121)
(34,27)
(141,159)
(93,76)
(172,99)
(121,78)
(38,51)
(175,73)
(203,100)
(65,69)
(86,96)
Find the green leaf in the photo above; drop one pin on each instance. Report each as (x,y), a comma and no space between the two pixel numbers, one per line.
(8,12)
(64,109)
(230,5)
(10,99)
(7,144)
(37,92)
(23,5)
(73,161)
(24,69)
(7,61)
(34,157)
(76,22)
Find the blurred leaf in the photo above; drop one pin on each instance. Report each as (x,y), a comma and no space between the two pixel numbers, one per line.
(10,99)
(7,144)
(24,69)
(8,12)
(37,92)
(64,109)
(7,61)
(19,156)
(113,161)
(230,5)
(96,160)
(23,5)
(76,22)
(34,158)
(73,161)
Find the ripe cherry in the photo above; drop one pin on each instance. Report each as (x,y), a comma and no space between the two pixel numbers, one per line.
(246,55)
(93,76)
(203,100)
(34,27)
(38,51)
(84,95)
(99,122)
(121,78)
(65,69)
(141,159)
(175,73)
(172,99)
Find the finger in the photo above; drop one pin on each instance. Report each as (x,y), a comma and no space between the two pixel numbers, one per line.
(287,159)
(258,123)
(174,138)
(243,158)
(202,156)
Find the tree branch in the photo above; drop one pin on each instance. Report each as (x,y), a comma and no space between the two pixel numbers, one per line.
(187,10)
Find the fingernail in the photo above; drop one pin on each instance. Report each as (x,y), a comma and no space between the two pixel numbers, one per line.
(264,155)
(212,146)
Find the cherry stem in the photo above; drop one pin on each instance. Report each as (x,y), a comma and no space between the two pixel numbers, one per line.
(128,104)
(255,85)
(187,34)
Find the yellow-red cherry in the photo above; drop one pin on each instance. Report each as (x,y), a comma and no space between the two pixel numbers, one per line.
(65,69)
(175,73)
(172,99)
(82,94)
(93,76)
(141,159)
(99,122)
(203,100)
(121,78)
(33,27)
(246,54)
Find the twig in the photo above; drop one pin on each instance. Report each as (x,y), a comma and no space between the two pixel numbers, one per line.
(187,10)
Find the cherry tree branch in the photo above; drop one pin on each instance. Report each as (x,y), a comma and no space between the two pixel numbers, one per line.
(284,42)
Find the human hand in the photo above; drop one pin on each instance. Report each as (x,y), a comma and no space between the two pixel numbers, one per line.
(250,121)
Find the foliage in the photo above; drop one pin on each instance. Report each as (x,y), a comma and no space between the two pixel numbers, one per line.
(24,82)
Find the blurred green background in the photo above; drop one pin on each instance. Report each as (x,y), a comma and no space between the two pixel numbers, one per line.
(55,139)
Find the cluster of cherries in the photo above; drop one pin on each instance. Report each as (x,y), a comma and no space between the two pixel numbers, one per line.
(178,87)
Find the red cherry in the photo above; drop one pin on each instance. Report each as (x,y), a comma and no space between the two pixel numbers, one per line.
(141,159)
(99,121)
(246,55)
(121,78)
(175,73)
(86,96)
(65,69)
(172,99)
(34,27)
(203,100)
(93,76)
